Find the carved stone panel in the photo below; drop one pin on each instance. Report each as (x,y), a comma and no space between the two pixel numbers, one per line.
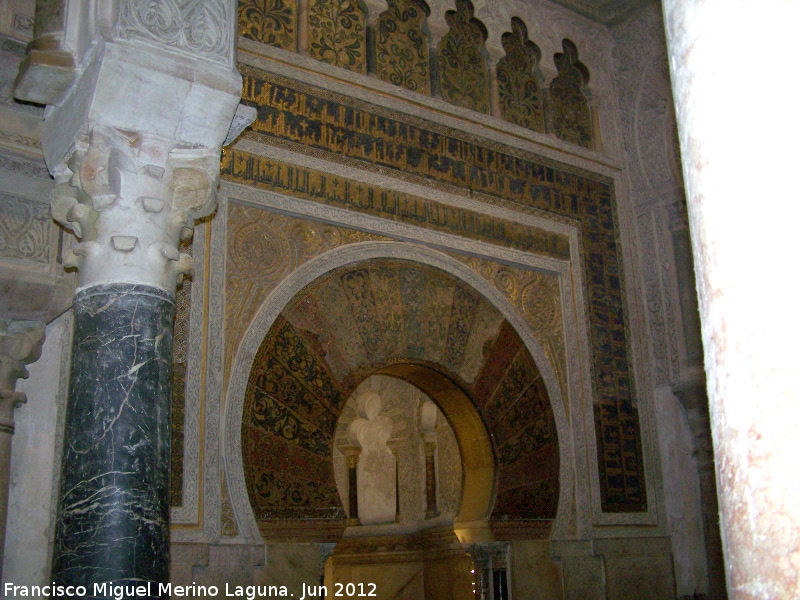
(25,229)
(518,80)
(569,116)
(195,27)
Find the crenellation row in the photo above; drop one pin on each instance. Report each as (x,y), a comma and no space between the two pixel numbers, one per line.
(452,62)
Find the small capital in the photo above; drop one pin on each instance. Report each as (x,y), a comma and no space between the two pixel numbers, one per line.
(20,345)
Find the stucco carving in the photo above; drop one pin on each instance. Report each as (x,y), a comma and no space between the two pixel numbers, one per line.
(194,395)
(645,107)
(24,166)
(25,227)
(195,27)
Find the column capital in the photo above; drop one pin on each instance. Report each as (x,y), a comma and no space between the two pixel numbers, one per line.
(140,101)
(130,197)
(20,345)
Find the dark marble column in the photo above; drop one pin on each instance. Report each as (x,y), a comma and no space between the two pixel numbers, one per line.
(352,482)
(432,509)
(113,516)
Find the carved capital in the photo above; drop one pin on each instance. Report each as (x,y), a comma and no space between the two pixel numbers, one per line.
(489,555)
(430,449)
(130,198)
(20,345)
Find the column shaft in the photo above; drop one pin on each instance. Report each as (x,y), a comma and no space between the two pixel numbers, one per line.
(6,432)
(743,221)
(113,516)
(430,480)
(352,481)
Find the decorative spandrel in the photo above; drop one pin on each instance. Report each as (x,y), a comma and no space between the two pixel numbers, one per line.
(568,113)
(338,34)
(402,45)
(272,22)
(462,66)
(519,81)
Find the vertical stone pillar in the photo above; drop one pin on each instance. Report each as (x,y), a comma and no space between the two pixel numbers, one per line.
(20,345)
(132,138)
(374,10)
(432,508)
(490,562)
(394,446)
(351,454)
(743,217)
(494,87)
(429,414)
(693,397)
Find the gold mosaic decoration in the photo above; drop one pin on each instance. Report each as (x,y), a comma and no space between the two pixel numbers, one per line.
(402,46)
(462,66)
(367,137)
(265,247)
(519,81)
(569,116)
(272,22)
(337,33)
(537,297)
(352,322)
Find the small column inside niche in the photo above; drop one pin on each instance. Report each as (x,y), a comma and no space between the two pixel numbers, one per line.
(494,87)
(351,454)
(429,417)
(394,446)
(490,570)
(373,10)
(302,27)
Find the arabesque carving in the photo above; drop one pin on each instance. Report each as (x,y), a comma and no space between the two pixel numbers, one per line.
(194,26)
(338,33)
(519,81)
(272,22)
(264,248)
(537,297)
(25,227)
(402,45)
(462,65)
